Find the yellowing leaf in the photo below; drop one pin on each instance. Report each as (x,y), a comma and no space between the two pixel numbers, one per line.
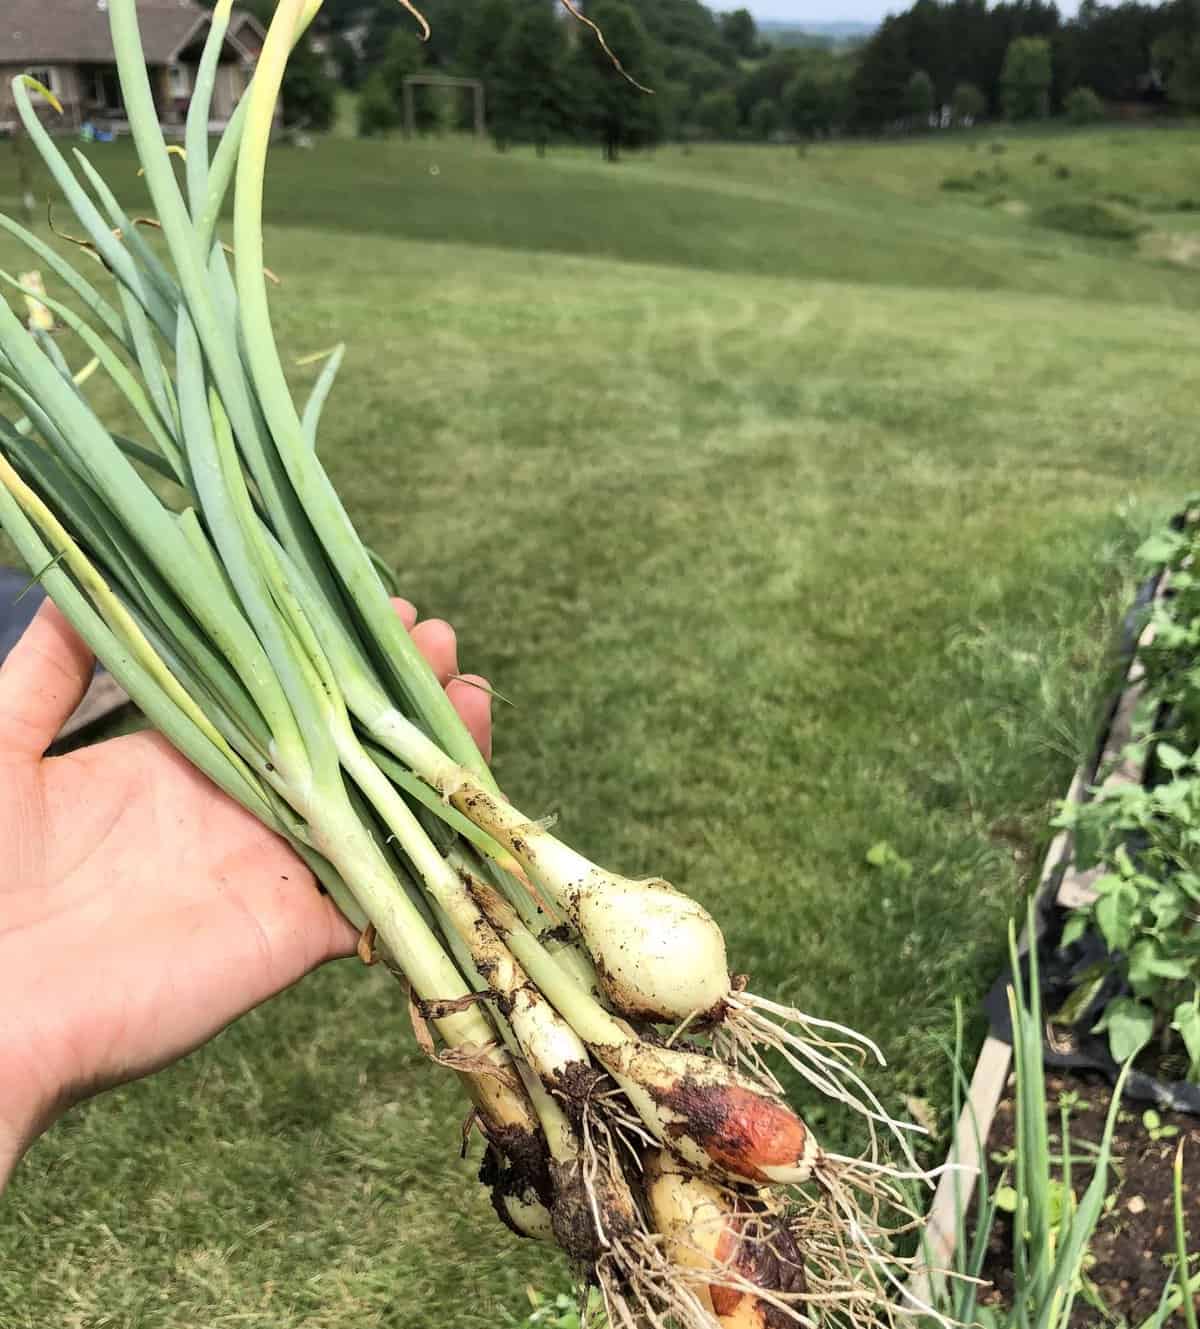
(42,90)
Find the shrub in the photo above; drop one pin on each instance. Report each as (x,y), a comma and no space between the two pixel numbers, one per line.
(309,94)
(1041,159)
(961,183)
(377,110)
(1095,218)
(919,97)
(967,104)
(1025,79)
(1062,172)
(765,118)
(718,114)
(1083,107)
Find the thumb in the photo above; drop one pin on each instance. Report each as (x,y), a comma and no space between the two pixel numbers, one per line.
(41,683)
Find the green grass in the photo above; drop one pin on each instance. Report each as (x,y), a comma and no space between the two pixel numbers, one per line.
(792,514)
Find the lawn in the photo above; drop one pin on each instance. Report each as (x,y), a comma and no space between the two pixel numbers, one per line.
(793,510)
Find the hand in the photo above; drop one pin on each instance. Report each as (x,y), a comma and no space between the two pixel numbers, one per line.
(141,910)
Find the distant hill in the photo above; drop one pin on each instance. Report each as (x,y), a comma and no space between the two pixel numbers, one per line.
(784,32)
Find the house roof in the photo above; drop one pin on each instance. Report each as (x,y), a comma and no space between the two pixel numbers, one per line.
(42,31)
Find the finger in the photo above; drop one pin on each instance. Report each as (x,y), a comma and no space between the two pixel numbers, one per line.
(437,643)
(41,683)
(471,697)
(406,609)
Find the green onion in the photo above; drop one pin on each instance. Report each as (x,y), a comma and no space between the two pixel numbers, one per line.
(247,619)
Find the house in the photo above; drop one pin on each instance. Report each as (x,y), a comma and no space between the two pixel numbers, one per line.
(66,45)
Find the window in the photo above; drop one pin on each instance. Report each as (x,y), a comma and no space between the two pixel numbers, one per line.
(107,89)
(47,76)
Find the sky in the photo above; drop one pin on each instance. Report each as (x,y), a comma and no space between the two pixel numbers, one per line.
(829,11)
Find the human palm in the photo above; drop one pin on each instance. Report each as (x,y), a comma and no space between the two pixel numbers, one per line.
(141,910)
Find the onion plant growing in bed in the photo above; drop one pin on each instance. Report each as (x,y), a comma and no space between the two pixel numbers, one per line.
(622,1080)
(1055,1210)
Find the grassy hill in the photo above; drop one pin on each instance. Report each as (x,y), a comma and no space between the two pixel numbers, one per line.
(789,498)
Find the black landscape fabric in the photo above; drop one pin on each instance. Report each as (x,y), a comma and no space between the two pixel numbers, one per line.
(16,610)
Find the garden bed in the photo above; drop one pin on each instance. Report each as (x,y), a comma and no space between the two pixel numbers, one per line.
(1132,1251)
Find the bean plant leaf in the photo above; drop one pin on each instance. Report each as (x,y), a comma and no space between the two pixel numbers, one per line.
(1161,547)
(1130,1025)
(1170,758)
(1146,962)
(1074,928)
(1187,1025)
(1115,911)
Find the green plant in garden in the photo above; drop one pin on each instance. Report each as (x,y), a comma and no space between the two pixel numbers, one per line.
(1053,1217)
(1155,1128)
(1147,837)
(1181,1290)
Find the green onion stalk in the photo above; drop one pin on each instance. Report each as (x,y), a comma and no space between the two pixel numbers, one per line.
(620,1077)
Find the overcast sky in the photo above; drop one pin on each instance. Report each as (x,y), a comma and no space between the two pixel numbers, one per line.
(828,11)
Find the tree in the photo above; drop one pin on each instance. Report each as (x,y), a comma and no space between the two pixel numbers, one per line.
(768,78)
(383,22)
(927,41)
(1025,79)
(349,66)
(698,72)
(739,31)
(529,92)
(377,109)
(817,101)
(918,98)
(881,79)
(717,115)
(381,102)
(765,118)
(967,104)
(606,103)
(1083,107)
(1177,54)
(309,95)
(485,27)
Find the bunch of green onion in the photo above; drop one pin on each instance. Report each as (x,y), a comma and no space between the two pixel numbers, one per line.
(618,1074)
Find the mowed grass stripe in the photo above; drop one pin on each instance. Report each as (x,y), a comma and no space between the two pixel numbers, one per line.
(838,213)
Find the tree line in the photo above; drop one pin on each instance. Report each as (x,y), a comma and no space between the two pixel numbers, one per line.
(548,79)
(1023,60)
